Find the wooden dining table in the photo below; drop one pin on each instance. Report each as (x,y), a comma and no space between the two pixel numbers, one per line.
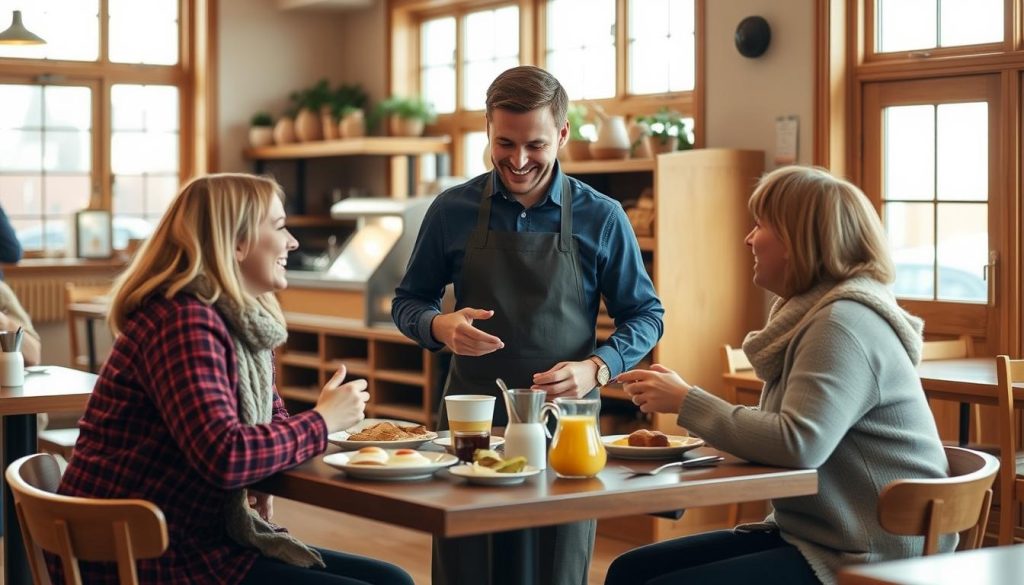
(967,381)
(46,389)
(446,506)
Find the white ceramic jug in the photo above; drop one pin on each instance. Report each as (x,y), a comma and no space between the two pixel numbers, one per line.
(526,435)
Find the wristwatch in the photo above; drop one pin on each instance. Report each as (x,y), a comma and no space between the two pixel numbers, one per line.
(604,375)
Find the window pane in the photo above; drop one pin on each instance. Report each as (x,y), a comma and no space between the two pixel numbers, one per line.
(144,156)
(437,45)
(661,46)
(904,25)
(438,87)
(484,60)
(22,106)
(476,153)
(962,143)
(67,151)
(582,56)
(21,194)
(144,32)
(66,194)
(70,27)
(962,251)
(911,233)
(21,150)
(909,158)
(68,108)
(970,22)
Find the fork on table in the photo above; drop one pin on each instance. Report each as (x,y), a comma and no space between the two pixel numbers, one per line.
(704,461)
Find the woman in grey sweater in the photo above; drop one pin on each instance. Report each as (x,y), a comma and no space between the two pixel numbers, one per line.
(841,395)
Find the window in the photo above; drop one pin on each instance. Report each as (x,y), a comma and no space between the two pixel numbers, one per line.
(106,132)
(632,57)
(939,84)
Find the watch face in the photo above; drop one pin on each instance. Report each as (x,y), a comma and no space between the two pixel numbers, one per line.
(603,375)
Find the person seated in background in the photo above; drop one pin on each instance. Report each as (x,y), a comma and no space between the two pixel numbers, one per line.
(185,413)
(841,395)
(10,247)
(12,316)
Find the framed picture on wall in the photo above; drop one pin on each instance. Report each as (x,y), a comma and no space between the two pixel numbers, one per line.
(93,234)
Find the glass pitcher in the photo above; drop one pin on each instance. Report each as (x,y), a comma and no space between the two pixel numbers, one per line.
(576,450)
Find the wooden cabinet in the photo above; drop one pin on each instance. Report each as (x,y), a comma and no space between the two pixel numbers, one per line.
(702,271)
(401,376)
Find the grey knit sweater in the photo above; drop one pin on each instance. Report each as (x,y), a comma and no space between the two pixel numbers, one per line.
(849,403)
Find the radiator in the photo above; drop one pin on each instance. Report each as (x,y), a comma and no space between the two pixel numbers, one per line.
(43,297)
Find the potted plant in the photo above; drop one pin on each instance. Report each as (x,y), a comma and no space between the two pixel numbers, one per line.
(578,145)
(666,131)
(406,116)
(347,106)
(284,129)
(311,104)
(261,130)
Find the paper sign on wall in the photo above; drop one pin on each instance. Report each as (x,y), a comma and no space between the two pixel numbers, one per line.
(786,135)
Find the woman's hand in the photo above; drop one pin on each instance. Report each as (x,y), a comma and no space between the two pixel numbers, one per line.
(658,389)
(342,405)
(262,504)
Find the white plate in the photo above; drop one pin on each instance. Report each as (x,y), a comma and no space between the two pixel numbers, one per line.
(466,471)
(446,442)
(340,438)
(391,472)
(677,446)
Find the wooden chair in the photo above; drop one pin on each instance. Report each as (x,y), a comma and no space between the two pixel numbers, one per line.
(935,507)
(78,293)
(735,360)
(1011,480)
(87,529)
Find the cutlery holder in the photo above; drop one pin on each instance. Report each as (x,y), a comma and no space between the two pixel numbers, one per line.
(12,369)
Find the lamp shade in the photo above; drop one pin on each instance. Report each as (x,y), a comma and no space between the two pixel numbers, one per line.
(17,34)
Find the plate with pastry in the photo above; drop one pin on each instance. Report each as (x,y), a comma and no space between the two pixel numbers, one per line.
(490,468)
(645,444)
(390,464)
(382,432)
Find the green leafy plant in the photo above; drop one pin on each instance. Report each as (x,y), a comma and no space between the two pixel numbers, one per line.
(409,108)
(347,99)
(261,119)
(312,98)
(667,125)
(577,115)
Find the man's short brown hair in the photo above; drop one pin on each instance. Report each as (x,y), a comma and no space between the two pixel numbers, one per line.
(527,88)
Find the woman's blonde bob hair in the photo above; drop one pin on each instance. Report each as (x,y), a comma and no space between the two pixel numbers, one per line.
(827,225)
(199,234)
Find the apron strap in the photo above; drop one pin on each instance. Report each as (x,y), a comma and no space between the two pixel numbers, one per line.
(483,218)
(565,235)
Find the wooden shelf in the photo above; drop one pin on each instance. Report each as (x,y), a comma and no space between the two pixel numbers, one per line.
(299,358)
(598,167)
(401,377)
(409,413)
(369,146)
(315,221)
(299,393)
(647,243)
(356,367)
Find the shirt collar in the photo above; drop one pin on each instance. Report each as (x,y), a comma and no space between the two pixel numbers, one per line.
(554,193)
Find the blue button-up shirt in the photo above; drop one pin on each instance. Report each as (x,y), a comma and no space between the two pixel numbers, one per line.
(609,257)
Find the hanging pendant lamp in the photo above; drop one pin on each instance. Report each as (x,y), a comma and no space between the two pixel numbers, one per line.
(17,34)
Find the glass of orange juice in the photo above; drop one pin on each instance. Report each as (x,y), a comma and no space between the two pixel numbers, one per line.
(576,450)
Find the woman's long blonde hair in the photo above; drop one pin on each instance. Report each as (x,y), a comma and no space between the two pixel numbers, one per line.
(828,226)
(198,235)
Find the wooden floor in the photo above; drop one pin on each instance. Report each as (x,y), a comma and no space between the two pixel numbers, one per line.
(406,548)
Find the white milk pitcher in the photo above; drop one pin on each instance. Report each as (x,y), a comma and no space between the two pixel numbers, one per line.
(526,434)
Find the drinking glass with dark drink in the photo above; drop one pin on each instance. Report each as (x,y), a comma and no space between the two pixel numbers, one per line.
(467,442)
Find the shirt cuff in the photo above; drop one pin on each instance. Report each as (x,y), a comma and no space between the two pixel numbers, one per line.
(423,327)
(612,359)
(700,411)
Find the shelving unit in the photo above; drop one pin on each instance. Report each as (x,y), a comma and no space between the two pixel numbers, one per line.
(400,375)
(702,272)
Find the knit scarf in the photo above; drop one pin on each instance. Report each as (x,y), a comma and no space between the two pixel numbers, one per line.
(766,349)
(255,333)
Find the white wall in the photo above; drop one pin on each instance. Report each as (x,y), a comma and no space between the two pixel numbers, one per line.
(744,96)
(265,53)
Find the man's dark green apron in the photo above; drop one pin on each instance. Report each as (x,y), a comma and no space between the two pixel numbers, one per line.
(534,284)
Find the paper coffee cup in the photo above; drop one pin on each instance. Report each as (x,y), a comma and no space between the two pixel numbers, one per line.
(469,412)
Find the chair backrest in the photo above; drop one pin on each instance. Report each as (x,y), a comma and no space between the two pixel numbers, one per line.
(87,529)
(734,360)
(1008,373)
(948,349)
(80,293)
(935,507)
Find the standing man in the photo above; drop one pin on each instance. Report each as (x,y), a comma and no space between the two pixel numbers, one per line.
(530,252)
(10,247)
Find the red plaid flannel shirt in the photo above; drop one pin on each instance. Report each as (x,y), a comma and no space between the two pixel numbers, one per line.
(162,425)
